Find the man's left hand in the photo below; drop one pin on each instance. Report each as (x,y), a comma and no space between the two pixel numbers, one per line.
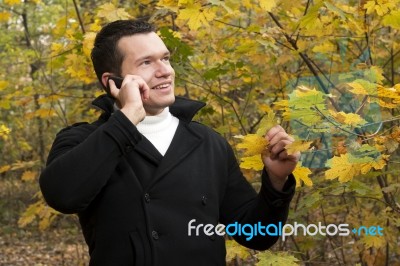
(276,160)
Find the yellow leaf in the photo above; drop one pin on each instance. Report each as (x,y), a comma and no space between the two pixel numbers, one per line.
(357,88)
(4,168)
(233,250)
(111,13)
(4,132)
(253,144)
(267,5)
(28,176)
(252,162)
(45,113)
(4,16)
(392,19)
(3,84)
(350,119)
(298,145)
(12,2)
(195,16)
(88,43)
(302,174)
(267,122)
(373,241)
(342,169)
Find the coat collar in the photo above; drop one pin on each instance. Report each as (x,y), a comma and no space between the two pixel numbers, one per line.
(183,108)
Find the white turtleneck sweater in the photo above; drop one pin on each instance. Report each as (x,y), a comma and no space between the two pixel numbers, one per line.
(159,129)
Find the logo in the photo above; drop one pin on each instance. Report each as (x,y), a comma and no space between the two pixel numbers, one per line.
(283,230)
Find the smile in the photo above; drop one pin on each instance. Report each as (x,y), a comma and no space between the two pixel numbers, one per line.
(162,86)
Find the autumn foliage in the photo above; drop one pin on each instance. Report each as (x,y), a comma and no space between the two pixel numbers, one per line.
(327,71)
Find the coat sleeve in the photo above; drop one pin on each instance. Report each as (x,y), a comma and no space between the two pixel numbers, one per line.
(82,159)
(243,205)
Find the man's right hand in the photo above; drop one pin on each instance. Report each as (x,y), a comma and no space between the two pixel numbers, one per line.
(130,97)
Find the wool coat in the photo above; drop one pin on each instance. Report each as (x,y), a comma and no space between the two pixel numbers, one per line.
(134,205)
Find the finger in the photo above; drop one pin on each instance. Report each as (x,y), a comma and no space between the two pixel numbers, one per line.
(282,135)
(113,88)
(273,131)
(279,147)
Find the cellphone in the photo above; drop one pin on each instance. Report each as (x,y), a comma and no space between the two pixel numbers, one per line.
(117,81)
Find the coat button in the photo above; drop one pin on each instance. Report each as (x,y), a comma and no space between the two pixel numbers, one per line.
(155,236)
(128,148)
(204,200)
(147,197)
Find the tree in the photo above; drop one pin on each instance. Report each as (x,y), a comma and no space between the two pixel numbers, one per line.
(328,71)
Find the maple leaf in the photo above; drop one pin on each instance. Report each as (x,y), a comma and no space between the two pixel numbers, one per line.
(298,145)
(267,122)
(301,174)
(196,16)
(233,250)
(253,144)
(268,258)
(28,176)
(350,119)
(4,16)
(342,169)
(12,2)
(267,5)
(111,13)
(373,241)
(252,162)
(392,19)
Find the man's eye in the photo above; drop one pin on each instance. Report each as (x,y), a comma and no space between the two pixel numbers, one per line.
(147,62)
(167,58)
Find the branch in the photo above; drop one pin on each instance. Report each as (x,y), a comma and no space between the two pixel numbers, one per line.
(306,60)
(79,17)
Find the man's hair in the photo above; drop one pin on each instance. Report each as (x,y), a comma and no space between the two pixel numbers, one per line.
(105,54)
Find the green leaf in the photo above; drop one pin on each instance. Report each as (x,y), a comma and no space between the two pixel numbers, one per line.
(268,258)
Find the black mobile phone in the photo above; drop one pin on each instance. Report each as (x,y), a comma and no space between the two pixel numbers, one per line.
(117,81)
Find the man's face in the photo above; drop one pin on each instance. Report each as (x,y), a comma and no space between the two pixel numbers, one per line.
(146,55)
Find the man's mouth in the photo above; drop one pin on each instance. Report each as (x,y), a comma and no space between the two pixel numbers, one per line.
(161,86)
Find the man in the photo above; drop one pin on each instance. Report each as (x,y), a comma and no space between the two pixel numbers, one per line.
(140,173)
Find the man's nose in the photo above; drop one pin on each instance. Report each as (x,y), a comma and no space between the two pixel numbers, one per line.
(164,69)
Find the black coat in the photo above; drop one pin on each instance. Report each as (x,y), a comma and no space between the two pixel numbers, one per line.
(134,205)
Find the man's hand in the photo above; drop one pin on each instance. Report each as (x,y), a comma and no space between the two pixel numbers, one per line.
(130,97)
(276,160)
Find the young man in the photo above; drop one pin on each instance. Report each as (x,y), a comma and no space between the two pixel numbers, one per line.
(143,177)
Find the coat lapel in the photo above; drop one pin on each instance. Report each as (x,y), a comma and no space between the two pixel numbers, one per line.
(184,142)
(147,150)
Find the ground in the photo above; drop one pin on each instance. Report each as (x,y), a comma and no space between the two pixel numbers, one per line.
(61,244)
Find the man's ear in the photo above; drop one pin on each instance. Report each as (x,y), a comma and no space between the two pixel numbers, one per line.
(104,79)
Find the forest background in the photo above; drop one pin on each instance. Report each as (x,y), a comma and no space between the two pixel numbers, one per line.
(327,71)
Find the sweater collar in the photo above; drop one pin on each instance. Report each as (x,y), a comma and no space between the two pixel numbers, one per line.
(183,108)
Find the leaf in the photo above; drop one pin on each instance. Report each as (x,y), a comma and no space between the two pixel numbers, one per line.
(29,176)
(392,19)
(267,5)
(268,258)
(5,168)
(3,84)
(373,241)
(342,169)
(4,16)
(298,145)
(253,144)
(196,16)
(235,250)
(12,2)
(350,119)
(267,122)
(302,174)
(111,13)
(88,43)
(252,162)
(4,132)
